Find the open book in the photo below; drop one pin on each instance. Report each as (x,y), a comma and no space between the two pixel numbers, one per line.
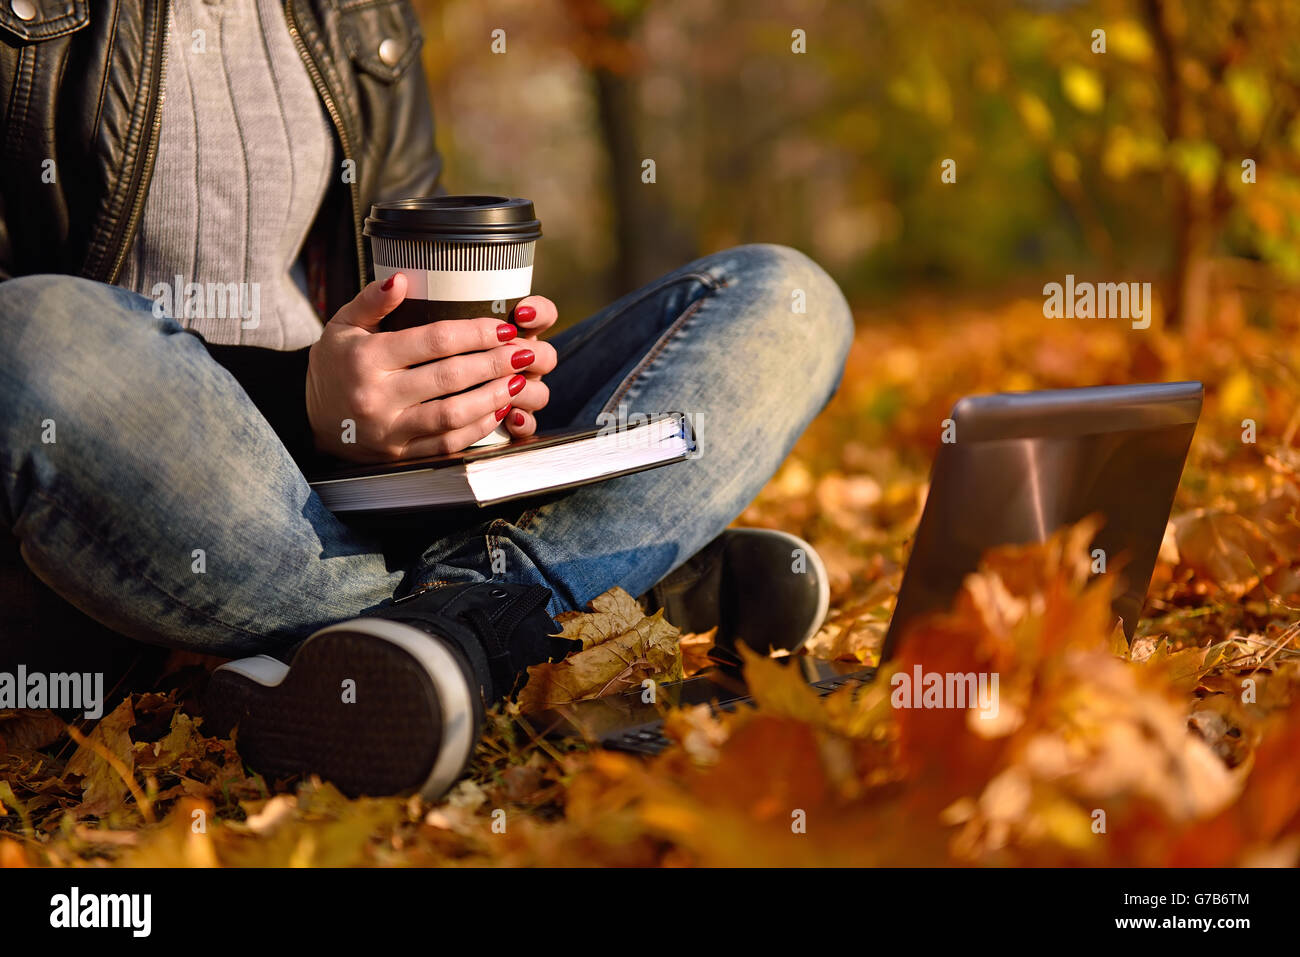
(484,476)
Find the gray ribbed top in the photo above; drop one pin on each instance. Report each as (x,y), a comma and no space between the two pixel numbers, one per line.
(244,157)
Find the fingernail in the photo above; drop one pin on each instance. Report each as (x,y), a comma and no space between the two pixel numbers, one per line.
(517,418)
(388,283)
(524,357)
(501,413)
(516,384)
(525,313)
(506,332)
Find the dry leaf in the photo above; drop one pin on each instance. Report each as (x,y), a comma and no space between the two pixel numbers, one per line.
(621,648)
(613,613)
(29,729)
(104,787)
(695,651)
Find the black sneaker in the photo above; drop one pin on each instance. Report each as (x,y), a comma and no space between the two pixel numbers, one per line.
(768,589)
(391,701)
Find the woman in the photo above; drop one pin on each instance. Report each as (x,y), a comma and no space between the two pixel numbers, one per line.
(153,468)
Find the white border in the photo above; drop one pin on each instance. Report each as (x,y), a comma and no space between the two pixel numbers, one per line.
(471,285)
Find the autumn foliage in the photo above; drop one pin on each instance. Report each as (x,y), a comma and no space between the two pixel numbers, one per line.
(1182,749)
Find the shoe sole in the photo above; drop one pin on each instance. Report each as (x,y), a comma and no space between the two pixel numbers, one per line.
(411,725)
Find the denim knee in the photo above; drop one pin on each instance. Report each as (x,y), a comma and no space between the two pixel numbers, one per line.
(797,291)
(37,310)
(59,333)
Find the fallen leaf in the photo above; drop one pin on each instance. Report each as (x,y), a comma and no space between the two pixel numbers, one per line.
(104,787)
(621,647)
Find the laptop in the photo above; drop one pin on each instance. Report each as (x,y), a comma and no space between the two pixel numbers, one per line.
(1019,467)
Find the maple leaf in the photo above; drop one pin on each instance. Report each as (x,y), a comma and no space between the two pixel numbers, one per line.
(695,651)
(698,730)
(777,686)
(104,763)
(621,646)
(612,614)
(1223,549)
(181,744)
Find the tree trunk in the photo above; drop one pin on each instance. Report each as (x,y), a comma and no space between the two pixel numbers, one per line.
(616,108)
(1190,228)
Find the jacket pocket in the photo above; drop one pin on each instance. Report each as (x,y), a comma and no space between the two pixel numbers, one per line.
(382,36)
(31,20)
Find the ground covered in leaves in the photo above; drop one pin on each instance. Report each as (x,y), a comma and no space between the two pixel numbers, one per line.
(1184,749)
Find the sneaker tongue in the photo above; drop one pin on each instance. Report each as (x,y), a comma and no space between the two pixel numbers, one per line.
(531,599)
(500,628)
(523,635)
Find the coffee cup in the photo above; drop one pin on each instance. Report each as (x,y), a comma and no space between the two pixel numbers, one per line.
(462,256)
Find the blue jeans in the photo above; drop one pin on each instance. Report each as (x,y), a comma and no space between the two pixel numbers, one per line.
(146,489)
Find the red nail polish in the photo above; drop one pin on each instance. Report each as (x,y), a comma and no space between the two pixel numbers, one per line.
(516,384)
(524,357)
(501,413)
(517,418)
(506,332)
(388,283)
(525,313)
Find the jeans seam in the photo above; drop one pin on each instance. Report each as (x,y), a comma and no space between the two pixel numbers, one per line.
(145,578)
(527,519)
(648,291)
(661,343)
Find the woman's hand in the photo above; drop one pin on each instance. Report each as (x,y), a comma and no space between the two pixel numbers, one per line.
(373,396)
(534,315)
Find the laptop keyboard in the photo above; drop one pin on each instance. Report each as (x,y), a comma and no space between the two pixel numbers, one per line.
(649,738)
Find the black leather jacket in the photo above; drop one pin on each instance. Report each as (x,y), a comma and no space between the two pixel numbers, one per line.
(81,86)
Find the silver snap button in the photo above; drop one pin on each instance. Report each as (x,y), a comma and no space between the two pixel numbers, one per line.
(498,593)
(23,9)
(390,51)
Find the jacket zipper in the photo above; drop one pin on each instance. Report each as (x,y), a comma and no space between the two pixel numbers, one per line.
(143,172)
(335,116)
